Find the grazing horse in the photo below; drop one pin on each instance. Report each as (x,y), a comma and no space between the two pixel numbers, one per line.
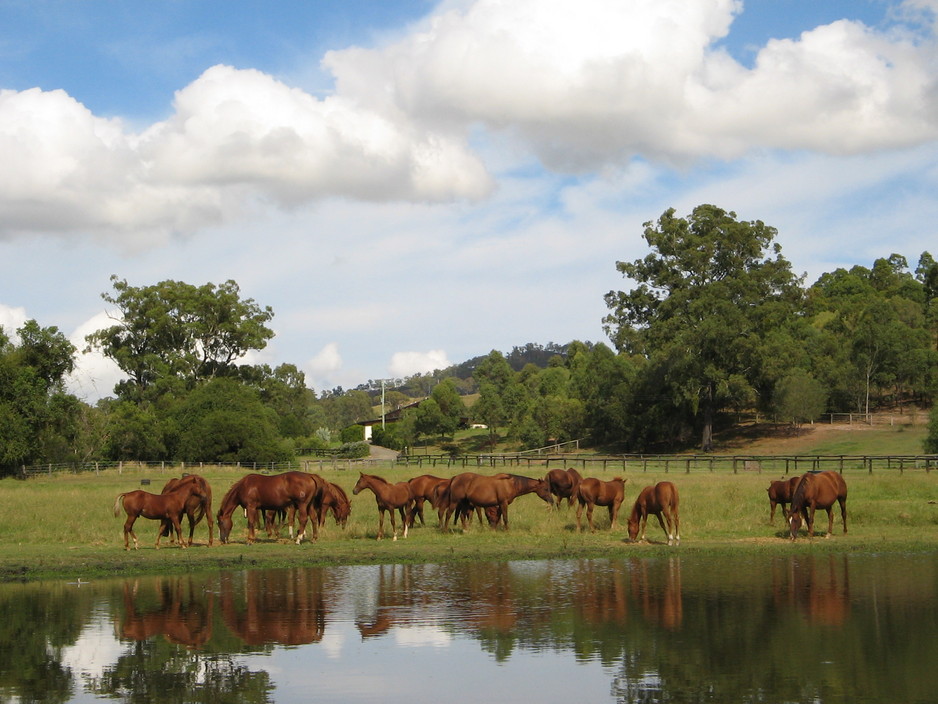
(470,490)
(160,507)
(817,490)
(563,484)
(389,497)
(424,488)
(660,500)
(259,493)
(596,492)
(198,504)
(780,494)
(336,500)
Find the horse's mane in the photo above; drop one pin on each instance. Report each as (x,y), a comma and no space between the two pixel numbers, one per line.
(338,492)
(227,498)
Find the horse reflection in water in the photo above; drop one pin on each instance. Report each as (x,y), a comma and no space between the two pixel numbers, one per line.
(274,606)
(182,612)
(394,596)
(663,605)
(817,587)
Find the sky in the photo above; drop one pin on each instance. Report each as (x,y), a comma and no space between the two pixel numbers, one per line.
(409,184)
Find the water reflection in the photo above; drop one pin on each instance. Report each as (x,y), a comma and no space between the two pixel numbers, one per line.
(177,609)
(808,628)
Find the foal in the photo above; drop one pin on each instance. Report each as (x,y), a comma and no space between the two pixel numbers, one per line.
(660,500)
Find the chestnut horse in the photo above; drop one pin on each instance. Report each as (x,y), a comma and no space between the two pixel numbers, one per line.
(470,490)
(563,484)
(198,505)
(258,493)
(660,500)
(336,500)
(159,507)
(389,497)
(424,488)
(593,492)
(817,490)
(780,494)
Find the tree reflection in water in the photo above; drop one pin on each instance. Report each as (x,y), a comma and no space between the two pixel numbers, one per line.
(675,629)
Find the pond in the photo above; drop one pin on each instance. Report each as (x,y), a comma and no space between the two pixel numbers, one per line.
(822,628)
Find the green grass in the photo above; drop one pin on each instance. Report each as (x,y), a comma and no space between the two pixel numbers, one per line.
(64,525)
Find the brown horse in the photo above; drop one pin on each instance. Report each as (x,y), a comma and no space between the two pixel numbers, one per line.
(198,505)
(424,488)
(336,500)
(593,492)
(817,490)
(389,497)
(563,484)
(780,493)
(258,493)
(470,490)
(660,500)
(159,507)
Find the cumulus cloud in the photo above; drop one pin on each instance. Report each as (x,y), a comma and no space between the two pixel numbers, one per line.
(236,137)
(408,363)
(95,375)
(600,81)
(327,362)
(582,86)
(11,320)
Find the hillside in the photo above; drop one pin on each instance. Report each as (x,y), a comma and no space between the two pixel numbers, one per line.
(900,438)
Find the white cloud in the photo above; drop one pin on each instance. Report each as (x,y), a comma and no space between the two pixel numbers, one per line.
(601,81)
(327,362)
(11,320)
(408,363)
(95,375)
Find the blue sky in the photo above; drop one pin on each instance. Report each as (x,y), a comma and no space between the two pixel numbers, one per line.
(410,184)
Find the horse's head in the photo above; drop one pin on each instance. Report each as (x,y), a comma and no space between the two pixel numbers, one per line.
(633,528)
(543,490)
(224,526)
(362,483)
(794,523)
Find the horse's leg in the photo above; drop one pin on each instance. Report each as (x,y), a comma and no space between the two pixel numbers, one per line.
(644,524)
(843,512)
(660,518)
(418,511)
(177,526)
(772,512)
(810,521)
(393,524)
(676,519)
(589,516)
(129,532)
(251,513)
(302,517)
(380,523)
(579,513)
(830,521)
(504,507)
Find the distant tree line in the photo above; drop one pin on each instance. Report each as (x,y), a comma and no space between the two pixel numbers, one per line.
(716,324)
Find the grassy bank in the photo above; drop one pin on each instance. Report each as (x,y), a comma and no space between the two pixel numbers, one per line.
(63,527)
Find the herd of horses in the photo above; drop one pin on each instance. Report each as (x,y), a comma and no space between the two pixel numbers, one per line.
(306,499)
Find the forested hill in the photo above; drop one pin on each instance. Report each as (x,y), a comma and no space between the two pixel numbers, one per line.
(518,358)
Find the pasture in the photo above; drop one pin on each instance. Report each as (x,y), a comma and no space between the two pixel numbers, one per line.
(63,525)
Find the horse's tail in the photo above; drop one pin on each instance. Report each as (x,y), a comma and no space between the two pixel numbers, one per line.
(118,504)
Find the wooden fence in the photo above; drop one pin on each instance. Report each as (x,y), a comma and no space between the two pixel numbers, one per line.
(735,464)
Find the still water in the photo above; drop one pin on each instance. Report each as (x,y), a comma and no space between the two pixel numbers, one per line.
(844,628)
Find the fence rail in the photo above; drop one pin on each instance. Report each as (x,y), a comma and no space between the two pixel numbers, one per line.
(171,468)
(735,464)
(775,464)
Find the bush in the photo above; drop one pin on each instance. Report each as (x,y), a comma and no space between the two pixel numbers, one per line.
(353,433)
(354,450)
